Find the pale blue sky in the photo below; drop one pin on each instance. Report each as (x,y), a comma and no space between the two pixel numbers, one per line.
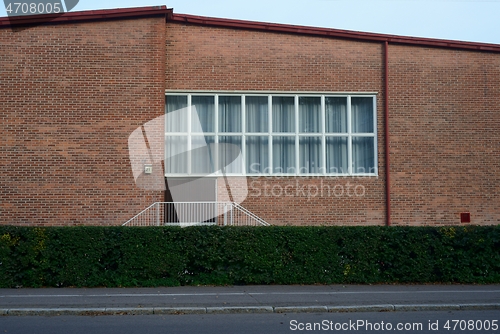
(466,20)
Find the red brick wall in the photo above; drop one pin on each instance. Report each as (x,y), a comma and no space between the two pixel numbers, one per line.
(445,135)
(444,121)
(71,94)
(208,58)
(309,201)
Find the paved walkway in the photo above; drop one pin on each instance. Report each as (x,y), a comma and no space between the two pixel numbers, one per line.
(248,299)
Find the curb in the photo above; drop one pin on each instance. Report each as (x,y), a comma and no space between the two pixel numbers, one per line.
(242,309)
(427,307)
(301,309)
(362,308)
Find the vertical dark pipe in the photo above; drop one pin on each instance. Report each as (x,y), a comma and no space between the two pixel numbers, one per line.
(387,155)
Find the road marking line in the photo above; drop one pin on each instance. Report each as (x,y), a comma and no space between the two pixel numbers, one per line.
(243,293)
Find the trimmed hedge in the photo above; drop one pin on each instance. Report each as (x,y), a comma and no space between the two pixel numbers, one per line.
(169,256)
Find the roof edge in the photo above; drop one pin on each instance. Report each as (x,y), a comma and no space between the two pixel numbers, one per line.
(86,15)
(328,32)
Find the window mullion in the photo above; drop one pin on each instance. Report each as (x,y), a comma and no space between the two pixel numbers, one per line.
(297,158)
(323,139)
(216,128)
(189,134)
(269,131)
(349,137)
(375,145)
(243,136)
(189,116)
(165,144)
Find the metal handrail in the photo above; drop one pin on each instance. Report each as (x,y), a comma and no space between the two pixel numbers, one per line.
(195,213)
(139,214)
(253,215)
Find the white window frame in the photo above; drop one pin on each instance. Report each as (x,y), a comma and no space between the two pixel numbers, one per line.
(243,134)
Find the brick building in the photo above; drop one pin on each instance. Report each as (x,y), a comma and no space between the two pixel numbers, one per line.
(334,127)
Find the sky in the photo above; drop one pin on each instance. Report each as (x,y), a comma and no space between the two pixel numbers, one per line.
(464,20)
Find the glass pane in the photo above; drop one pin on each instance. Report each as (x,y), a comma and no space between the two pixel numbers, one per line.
(283,114)
(362,114)
(229,114)
(363,159)
(205,114)
(176,121)
(310,156)
(284,155)
(256,108)
(257,154)
(230,160)
(336,155)
(336,114)
(202,155)
(309,114)
(176,155)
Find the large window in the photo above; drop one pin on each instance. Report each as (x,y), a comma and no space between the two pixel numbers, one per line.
(276,134)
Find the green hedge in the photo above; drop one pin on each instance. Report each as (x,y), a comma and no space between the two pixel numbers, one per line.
(169,256)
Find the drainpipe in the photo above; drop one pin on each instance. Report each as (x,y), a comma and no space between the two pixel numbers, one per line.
(386,115)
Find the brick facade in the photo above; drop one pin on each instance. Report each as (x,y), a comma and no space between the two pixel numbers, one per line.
(208,58)
(445,135)
(71,95)
(444,122)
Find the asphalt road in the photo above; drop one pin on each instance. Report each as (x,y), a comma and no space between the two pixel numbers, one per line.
(414,322)
(268,295)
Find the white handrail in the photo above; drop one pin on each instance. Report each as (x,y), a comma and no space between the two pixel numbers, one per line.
(195,213)
(140,213)
(253,215)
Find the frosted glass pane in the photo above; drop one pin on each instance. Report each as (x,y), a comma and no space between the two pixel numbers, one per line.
(257,154)
(205,112)
(176,154)
(256,108)
(310,156)
(283,114)
(309,114)
(363,158)
(336,114)
(336,155)
(177,121)
(229,114)
(362,114)
(230,158)
(284,155)
(202,155)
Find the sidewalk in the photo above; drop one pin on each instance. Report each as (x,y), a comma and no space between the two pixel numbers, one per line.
(248,299)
